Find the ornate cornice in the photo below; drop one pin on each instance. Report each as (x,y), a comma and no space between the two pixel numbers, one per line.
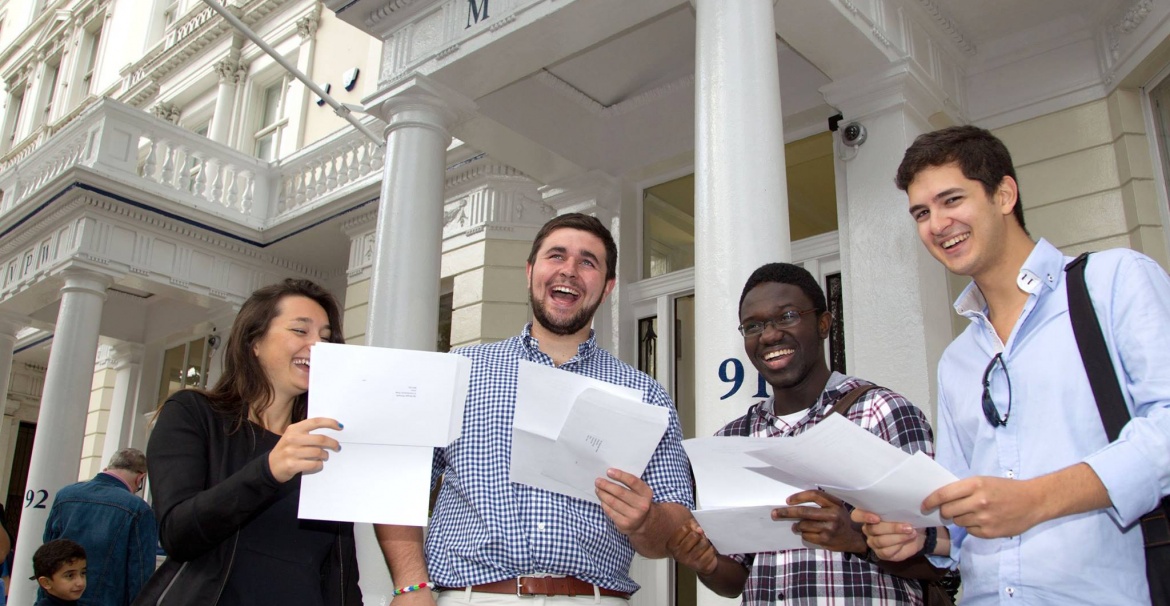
(948,26)
(195,32)
(387,9)
(1125,25)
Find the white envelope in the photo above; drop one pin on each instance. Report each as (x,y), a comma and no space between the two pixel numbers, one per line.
(604,431)
(544,398)
(749,530)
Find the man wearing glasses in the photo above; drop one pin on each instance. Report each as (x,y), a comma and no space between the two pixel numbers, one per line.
(116,528)
(1046,510)
(784,323)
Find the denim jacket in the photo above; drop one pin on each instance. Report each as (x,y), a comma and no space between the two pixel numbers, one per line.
(117,530)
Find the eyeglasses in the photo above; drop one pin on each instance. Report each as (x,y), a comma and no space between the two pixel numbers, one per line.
(787,319)
(990,412)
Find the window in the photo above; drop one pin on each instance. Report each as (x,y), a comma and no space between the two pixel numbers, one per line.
(184,365)
(49,84)
(12,117)
(91,45)
(270,120)
(174,9)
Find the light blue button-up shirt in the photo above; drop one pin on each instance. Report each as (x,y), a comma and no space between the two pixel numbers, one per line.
(1090,558)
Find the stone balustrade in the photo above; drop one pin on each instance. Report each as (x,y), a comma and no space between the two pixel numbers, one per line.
(134,154)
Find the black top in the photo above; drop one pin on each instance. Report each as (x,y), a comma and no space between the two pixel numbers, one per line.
(48,600)
(219,511)
(279,559)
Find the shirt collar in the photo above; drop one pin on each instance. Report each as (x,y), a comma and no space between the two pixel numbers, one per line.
(118,479)
(532,344)
(1041,270)
(833,385)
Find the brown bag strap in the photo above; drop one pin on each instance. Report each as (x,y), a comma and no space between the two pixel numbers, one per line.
(845,403)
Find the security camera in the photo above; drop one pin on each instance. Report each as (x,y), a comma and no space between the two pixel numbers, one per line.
(213,341)
(853,134)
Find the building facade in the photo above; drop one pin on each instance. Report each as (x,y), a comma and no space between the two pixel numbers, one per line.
(156,166)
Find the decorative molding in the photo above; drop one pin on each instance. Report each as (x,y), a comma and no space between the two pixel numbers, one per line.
(167,111)
(388,9)
(231,70)
(307,25)
(625,106)
(1129,21)
(948,26)
(194,32)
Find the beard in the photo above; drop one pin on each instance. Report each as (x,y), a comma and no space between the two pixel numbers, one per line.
(572,325)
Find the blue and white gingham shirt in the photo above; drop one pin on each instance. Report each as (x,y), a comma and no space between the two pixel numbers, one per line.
(485,528)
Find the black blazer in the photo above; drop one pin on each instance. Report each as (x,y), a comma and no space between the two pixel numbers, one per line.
(204,488)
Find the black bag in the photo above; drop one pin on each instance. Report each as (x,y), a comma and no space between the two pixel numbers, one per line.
(1114,416)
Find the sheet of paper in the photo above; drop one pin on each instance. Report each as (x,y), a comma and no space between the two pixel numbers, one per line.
(370,483)
(603,431)
(544,399)
(897,496)
(727,476)
(389,396)
(840,454)
(748,530)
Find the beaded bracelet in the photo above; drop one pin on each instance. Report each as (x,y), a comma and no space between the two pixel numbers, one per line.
(410,588)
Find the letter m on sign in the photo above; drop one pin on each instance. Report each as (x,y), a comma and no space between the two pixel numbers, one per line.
(476,12)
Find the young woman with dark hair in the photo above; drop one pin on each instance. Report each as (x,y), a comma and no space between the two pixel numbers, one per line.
(225,468)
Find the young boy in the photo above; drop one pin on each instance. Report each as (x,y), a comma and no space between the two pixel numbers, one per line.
(59,567)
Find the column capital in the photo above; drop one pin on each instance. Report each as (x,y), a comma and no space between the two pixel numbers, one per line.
(123,355)
(901,85)
(231,70)
(85,280)
(586,193)
(421,101)
(11,323)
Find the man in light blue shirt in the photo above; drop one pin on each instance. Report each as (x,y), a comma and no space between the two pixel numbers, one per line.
(1046,508)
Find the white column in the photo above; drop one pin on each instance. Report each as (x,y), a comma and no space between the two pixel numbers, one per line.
(741,197)
(61,421)
(9,325)
(408,232)
(882,259)
(231,70)
(127,364)
(404,288)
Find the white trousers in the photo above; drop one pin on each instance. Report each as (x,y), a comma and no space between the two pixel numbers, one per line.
(466,596)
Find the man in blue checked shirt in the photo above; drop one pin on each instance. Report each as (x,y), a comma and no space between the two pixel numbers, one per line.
(491,540)
(784,320)
(1046,508)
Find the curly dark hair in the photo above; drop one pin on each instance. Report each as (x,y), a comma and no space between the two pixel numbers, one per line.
(979,154)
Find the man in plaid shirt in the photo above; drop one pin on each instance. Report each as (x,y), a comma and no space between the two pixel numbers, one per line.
(492,541)
(784,322)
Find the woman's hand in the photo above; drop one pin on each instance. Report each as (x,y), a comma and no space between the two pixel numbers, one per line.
(299,451)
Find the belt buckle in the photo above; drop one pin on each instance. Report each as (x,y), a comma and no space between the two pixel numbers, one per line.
(520,587)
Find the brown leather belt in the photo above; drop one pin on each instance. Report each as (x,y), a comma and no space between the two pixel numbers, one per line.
(533,586)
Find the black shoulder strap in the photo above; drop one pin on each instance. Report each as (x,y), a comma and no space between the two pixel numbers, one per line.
(1102,375)
(1094,350)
